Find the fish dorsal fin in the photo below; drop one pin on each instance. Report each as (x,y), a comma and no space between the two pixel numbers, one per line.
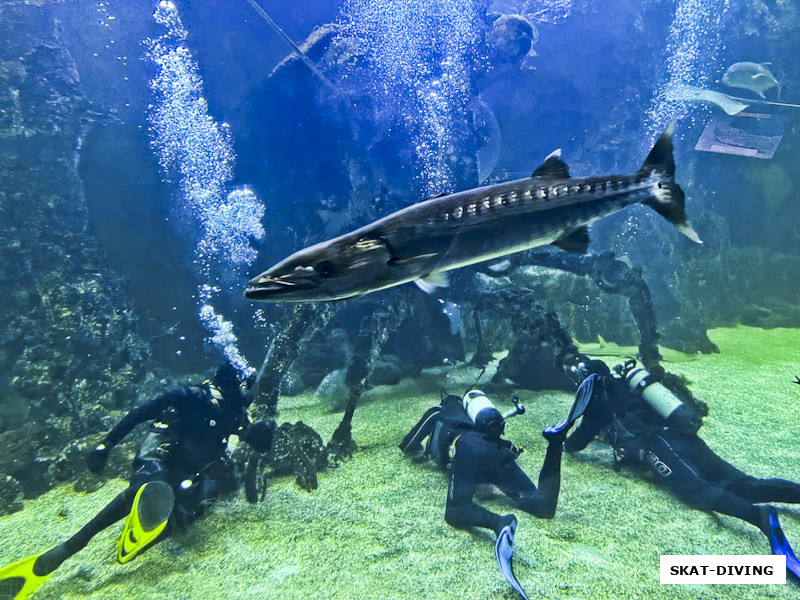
(552,167)
(577,241)
(433,281)
(434,197)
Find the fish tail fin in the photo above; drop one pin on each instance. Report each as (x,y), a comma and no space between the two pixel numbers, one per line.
(668,198)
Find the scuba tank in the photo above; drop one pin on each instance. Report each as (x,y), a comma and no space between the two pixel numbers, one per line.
(482,411)
(677,414)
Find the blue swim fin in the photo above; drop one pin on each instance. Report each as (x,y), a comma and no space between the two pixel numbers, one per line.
(780,545)
(582,398)
(503,552)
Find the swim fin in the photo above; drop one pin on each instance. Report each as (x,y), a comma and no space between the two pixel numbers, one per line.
(503,552)
(150,512)
(780,545)
(582,398)
(19,580)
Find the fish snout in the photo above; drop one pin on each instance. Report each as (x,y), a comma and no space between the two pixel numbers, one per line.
(268,287)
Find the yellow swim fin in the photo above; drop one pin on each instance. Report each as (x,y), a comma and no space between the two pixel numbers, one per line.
(151,509)
(18,580)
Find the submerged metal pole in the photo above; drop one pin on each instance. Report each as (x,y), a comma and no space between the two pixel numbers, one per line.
(298,52)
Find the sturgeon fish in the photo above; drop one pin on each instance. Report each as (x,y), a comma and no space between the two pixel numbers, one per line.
(425,240)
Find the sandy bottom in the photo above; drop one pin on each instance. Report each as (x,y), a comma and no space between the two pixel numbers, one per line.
(375,529)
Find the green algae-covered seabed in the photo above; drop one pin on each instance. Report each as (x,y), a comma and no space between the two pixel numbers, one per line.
(375,528)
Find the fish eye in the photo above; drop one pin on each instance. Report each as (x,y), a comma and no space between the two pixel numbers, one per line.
(325,268)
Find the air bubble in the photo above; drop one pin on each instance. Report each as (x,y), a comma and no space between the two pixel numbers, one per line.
(197,153)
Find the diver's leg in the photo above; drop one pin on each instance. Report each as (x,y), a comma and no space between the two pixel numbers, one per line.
(115,510)
(723,474)
(424,428)
(683,477)
(767,490)
(461,511)
(192,501)
(541,502)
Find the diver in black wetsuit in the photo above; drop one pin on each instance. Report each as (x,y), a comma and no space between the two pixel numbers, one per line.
(466,435)
(189,433)
(651,430)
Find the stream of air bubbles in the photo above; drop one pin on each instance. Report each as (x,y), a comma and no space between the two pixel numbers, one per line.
(196,153)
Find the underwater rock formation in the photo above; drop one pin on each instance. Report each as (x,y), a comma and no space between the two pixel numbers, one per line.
(69,351)
(372,336)
(283,350)
(423,339)
(296,450)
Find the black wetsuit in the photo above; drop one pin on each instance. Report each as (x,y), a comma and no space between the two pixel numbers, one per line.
(479,458)
(679,460)
(189,432)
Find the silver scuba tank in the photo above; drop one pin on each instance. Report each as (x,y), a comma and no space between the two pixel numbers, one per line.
(481,411)
(662,400)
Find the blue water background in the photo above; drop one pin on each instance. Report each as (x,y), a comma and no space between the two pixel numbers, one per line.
(593,86)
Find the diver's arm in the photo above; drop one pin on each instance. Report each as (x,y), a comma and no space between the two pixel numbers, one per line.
(257,435)
(413,441)
(146,412)
(509,446)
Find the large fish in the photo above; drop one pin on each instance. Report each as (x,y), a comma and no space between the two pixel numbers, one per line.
(423,241)
(750,76)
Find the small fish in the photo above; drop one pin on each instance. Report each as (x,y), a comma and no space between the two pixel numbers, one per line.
(750,76)
(796,380)
(422,242)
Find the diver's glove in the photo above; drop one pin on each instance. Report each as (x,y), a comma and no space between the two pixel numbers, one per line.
(259,436)
(97,458)
(514,450)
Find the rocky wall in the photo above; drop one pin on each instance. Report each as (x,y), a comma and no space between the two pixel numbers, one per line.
(69,347)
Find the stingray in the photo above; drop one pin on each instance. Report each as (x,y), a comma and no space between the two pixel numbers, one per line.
(604,349)
(730,104)
(750,76)
(727,103)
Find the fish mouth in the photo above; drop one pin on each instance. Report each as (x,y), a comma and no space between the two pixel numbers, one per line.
(266,287)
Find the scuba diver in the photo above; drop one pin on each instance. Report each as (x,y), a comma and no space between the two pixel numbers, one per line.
(650,429)
(465,434)
(189,433)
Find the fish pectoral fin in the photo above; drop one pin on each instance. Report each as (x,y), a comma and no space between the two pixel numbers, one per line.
(552,167)
(410,260)
(432,282)
(577,241)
